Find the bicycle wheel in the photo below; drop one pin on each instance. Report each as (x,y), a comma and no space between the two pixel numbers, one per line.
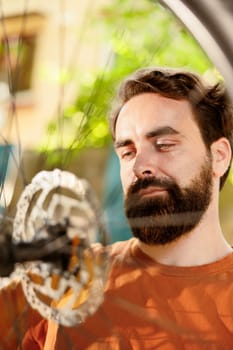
(17,312)
(210,23)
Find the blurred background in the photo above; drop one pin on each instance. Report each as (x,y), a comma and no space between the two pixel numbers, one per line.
(60,64)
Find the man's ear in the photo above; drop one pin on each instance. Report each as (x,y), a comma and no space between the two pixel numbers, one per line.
(221,155)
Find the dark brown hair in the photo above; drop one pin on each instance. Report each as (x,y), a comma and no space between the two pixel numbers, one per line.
(212,107)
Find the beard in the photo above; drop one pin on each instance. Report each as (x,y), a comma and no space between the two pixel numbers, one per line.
(163,219)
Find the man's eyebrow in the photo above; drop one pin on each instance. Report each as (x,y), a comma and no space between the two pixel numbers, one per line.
(122,143)
(164,130)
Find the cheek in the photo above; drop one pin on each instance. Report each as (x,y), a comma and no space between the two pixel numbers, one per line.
(180,171)
(126,178)
(190,169)
(124,182)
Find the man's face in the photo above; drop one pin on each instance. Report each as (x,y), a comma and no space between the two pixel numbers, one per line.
(166,170)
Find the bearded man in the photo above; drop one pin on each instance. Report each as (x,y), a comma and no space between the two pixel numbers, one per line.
(171,286)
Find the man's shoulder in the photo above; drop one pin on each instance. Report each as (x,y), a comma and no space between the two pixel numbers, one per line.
(121,247)
(118,251)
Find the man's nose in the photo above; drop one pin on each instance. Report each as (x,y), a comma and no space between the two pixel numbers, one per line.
(144,166)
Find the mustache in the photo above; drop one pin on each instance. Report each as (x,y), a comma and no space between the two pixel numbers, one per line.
(143,183)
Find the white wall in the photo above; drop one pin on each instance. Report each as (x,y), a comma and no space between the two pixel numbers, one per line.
(68,40)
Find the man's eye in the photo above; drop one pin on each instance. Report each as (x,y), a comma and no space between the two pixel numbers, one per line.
(127,154)
(164,146)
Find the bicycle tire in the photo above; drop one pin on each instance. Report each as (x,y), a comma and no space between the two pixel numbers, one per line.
(210,22)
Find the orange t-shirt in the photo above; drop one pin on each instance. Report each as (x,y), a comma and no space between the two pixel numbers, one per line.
(151,306)
(16,316)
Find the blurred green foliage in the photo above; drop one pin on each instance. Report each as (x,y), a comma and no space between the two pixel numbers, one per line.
(134,34)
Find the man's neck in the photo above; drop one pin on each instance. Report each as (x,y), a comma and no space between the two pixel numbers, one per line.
(204,245)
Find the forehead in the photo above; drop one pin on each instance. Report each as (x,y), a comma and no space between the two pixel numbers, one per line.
(148,111)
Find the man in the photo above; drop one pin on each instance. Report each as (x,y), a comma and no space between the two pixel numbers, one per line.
(171,286)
